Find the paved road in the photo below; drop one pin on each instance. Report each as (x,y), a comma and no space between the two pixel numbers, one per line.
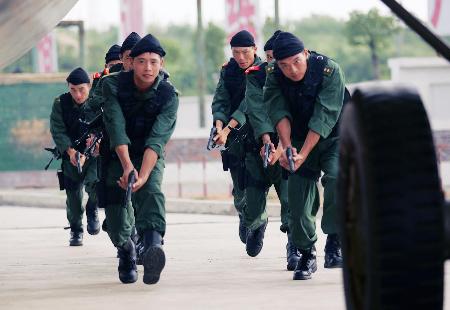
(207,268)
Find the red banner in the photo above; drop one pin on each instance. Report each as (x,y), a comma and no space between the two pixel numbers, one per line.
(46,54)
(240,15)
(439,16)
(131,18)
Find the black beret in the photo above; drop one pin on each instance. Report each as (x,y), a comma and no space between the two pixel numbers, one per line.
(78,76)
(113,53)
(269,44)
(130,42)
(148,44)
(286,45)
(242,39)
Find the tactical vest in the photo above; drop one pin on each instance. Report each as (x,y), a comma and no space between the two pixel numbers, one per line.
(116,68)
(260,74)
(97,76)
(140,115)
(71,116)
(301,96)
(234,79)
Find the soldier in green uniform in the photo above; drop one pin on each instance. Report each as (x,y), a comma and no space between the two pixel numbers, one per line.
(246,168)
(66,130)
(140,109)
(125,51)
(95,103)
(305,94)
(112,58)
(116,59)
(259,179)
(229,95)
(268,47)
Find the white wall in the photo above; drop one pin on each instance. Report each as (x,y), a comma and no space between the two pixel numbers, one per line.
(431,76)
(188,119)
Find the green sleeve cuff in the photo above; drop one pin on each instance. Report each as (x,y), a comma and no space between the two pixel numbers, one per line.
(239,117)
(63,147)
(320,127)
(264,128)
(156,147)
(277,116)
(221,117)
(120,141)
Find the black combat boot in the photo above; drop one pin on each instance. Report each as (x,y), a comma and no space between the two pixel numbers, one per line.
(139,242)
(93,224)
(134,235)
(333,255)
(307,264)
(127,262)
(152,256)
(292,254)
(255,239)
(104,226)
(76,236)
(242,229)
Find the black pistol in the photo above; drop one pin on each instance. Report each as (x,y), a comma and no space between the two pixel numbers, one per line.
(131,181)
(211,143)
(266,154)
(77,155)
(290,159)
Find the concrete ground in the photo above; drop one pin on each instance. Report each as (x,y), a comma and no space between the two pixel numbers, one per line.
(207,268)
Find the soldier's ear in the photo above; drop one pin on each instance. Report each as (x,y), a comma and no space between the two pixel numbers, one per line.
(162,61)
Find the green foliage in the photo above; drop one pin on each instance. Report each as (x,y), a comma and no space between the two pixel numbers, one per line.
(23,64)
(215,54)
(178,42)
(373,30)
(97,44)
(268,28)
(328,36)
(344,41)
(370,28)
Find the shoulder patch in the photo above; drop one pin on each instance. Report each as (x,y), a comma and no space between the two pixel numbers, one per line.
(251,69)
(96,75)
(328,70)
(105,71)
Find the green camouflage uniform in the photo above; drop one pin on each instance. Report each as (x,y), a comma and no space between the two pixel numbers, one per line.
(303,193)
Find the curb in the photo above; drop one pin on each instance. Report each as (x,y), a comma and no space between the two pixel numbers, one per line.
(49,199)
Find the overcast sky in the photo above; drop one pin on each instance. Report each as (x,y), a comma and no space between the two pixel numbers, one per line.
(101,14)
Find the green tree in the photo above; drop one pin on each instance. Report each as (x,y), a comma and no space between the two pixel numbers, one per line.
(215,54)
(97,44)
(268,29)
(373,30)
(23,64)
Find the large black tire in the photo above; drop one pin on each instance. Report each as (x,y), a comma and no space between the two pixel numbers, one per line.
(391,203)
